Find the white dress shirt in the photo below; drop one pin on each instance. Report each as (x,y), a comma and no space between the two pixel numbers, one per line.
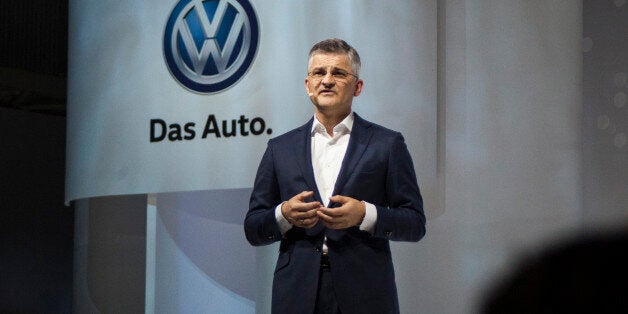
(327,155)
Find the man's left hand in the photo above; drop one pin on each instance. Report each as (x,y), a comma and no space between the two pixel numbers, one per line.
(349,214)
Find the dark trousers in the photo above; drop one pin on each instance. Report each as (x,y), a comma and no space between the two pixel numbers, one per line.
(326,302)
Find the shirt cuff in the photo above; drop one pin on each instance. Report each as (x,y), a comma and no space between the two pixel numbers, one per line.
(370,218)
(284,224)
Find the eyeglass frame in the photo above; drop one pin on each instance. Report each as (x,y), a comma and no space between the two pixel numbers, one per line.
(343,78)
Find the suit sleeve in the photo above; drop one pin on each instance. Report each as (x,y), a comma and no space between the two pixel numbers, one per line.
(260,223)
(403,218)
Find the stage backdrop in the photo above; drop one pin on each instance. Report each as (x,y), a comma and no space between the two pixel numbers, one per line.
(509,95)
(183,95)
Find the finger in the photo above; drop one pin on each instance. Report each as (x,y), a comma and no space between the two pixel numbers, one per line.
(306,214)
(307,222)
(340,199)
(304,207)
(332,212)
(303,195)
(310,222)
(327,218)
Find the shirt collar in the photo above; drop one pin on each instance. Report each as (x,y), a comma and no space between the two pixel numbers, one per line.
(345,125)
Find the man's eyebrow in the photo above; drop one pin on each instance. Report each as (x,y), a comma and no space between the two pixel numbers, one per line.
(333,68)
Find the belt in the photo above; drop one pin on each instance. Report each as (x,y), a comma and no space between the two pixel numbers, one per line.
(325,261)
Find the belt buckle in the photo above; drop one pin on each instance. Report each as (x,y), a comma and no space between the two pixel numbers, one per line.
(325,261)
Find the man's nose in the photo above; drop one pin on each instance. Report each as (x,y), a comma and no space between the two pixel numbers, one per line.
(328,79)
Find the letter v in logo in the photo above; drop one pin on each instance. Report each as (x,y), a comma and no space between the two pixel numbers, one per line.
(210,44)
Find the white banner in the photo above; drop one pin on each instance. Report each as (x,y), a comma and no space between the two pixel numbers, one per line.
(183,95)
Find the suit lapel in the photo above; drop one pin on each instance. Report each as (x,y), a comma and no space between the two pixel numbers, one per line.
(360,137)
(304,159)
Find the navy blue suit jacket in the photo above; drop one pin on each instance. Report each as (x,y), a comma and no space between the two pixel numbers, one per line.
(377,168)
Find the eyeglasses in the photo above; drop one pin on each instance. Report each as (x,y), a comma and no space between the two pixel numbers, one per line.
(339,76)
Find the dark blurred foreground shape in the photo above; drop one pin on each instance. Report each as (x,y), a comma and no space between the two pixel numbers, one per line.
(585,275)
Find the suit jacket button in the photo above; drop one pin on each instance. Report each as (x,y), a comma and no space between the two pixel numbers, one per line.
(270,237)
(318,249)
(388,234)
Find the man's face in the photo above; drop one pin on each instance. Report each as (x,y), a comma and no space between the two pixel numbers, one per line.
(331,83)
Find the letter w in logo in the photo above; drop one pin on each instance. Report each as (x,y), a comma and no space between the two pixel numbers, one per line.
(210,36)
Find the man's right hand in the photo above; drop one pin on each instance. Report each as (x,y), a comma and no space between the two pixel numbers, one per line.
(299,212)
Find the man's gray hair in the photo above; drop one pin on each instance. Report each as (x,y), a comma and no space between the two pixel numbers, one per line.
(335,45)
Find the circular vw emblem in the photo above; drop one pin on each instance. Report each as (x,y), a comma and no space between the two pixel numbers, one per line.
(210,44)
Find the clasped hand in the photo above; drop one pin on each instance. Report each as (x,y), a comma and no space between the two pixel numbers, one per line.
(307,214)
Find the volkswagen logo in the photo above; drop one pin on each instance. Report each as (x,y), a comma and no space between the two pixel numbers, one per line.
(210,44)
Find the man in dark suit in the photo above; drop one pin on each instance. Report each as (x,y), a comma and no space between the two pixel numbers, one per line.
(334,192)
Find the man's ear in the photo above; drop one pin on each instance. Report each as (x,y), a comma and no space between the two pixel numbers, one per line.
(307,89)
(358,88)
